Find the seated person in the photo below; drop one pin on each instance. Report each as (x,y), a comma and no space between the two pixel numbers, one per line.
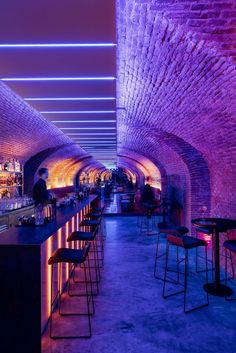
(147,195)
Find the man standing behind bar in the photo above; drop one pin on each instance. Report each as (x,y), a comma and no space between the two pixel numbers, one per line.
(40,192)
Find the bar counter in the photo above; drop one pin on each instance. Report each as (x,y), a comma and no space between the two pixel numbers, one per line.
(25,277)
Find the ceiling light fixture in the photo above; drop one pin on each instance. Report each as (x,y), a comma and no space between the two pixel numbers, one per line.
(83,121)
(77,111)
(15,79)
(87,128)
(91,133)
(57,45)
(70,99)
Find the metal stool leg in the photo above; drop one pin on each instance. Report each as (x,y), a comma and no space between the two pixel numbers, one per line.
(97,272)
(186,282)
(157,256)
(226,271)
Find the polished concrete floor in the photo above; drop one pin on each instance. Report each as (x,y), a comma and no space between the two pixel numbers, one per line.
(132,317)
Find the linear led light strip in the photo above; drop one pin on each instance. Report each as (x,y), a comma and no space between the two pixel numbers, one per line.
(57,45)
(98,143)
(113,145)
(91,134)
(83,121)
(15,79)
(77,111)
(100,139)
(100,149)
(71,99)
(87,128)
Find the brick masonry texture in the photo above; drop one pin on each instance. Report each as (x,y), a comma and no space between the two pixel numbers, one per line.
(177,88)
(28,136)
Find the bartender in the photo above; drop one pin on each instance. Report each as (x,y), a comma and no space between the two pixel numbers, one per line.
(40,192)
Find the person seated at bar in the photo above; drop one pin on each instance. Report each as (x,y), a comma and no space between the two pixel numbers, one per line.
(148,196)
(40,192)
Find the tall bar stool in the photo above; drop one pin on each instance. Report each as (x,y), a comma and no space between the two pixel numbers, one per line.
(230,247)
(81,236)
(147,221)
(99,209)
(167,229)
(93,224)
(75,257)
(185,242)
(94,212)
(208,231)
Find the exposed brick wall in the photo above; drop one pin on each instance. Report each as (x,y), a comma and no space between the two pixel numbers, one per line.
(176,84)
(28,136)
(25,132)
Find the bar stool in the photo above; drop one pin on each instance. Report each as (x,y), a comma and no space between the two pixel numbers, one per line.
(99,209)
(76,257)
(185,242)
(147,220)
(92,224)
(90,237)
(208,231)
(229,246)
(164,228)
(95,212)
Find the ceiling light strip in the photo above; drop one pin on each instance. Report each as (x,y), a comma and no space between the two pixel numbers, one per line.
(83,121)
(77,111)
(91,133)
(87,128)
(15,79)
(70,99)
(57,45)
(100,139)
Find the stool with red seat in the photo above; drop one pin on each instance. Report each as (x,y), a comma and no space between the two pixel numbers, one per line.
(186,243)
(164,228)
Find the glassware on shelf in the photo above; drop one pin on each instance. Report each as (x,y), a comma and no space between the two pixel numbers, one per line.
(39,215)
(7,204)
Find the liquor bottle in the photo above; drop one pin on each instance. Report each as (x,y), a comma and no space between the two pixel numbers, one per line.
(6,166)
(18,166)
(39,215)
(10,166)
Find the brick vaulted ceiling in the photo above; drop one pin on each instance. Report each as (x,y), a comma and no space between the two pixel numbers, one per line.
(177,90)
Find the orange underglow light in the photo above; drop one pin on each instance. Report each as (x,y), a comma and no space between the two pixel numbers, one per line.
(59,236)
(49,253)
(67,245)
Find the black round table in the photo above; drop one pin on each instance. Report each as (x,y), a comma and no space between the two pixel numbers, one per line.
(215,227)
